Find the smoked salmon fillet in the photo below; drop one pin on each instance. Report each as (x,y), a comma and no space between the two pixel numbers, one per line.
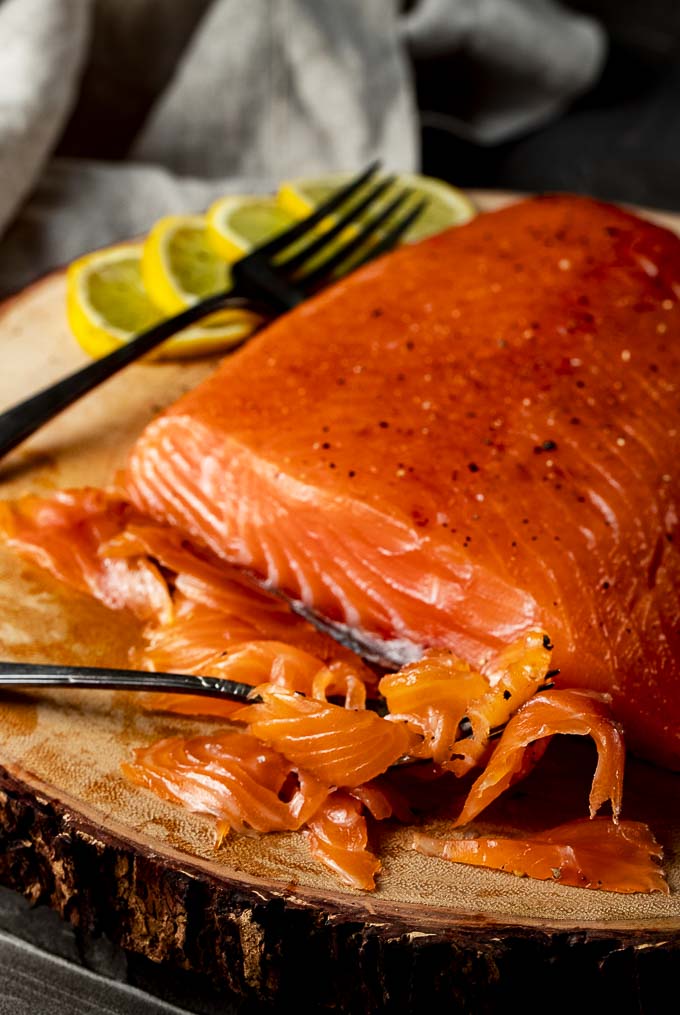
(473,437)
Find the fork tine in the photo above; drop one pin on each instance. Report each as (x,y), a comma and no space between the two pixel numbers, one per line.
(319,274)
(391,238)
(296,232)
(307,252)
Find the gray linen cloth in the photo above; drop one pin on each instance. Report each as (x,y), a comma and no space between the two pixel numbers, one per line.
(233,95)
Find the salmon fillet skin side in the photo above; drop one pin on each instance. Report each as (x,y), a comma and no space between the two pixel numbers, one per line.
(468,439)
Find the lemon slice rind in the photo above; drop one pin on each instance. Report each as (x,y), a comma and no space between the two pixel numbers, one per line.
(262,216)
(448,206)
(98,335)
(179,265)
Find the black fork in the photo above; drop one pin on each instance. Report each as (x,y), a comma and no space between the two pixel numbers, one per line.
(22,676)
(272,279)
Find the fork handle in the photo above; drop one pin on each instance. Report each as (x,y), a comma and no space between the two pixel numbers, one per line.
(23,419)
(23,675)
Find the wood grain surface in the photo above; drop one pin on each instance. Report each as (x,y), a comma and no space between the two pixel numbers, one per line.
(117,859)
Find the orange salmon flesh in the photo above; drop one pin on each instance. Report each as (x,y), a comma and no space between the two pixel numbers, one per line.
(473,437)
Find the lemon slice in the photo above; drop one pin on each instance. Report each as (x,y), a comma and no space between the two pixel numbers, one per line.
(179,266)
(107,305)
(447,206)
(237,224)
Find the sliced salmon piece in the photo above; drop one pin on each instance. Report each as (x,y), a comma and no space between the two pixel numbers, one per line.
(579,712)
(433,696)
(440,691)
(338,838)
(341,747)
(196,635)
(230,775)
(64,535)
(586,853)
(472,438)
(249,662)
(200,639)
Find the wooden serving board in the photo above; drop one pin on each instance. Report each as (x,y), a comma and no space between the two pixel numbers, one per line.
(258,920)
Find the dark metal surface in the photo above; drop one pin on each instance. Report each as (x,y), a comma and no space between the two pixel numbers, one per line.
(619,142)
(43,970)
(18,675)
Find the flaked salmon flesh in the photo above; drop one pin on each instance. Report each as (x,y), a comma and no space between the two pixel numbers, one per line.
(304,762)
(474,437)
(597,854)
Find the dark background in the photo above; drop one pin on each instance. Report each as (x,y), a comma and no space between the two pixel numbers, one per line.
(620,141)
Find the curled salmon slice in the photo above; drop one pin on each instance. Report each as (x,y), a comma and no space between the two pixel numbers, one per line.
(202,640)
(514,675)
(338,837)
(383,800)
(439,691)
(260,662)
(289,668)
(588,853)
(342,747)
(64,534)
(340,679)
(433,694)
(584,713)
(230,775)
(195,636)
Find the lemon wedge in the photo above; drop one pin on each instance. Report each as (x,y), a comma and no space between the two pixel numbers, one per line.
(237,224)
(107,305)
(447,206)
